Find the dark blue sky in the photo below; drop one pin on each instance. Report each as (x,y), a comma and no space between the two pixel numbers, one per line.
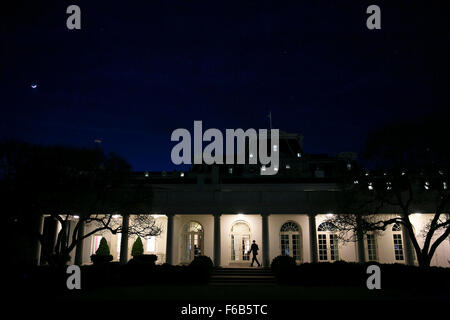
(137,70)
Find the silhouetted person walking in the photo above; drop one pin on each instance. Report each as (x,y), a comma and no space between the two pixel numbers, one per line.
(254,249)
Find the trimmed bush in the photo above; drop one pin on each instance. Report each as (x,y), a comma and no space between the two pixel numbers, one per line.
(103,248)
(138,248)
(102,254)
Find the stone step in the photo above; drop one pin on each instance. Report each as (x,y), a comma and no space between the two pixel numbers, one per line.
(238,276)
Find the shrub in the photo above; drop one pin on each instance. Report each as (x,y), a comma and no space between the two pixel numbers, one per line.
(138,248)
(103,248)
(201,268)
(102,254)
(282,263)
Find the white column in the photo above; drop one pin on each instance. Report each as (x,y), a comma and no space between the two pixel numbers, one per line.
(38,246)
(265,240)
(79,248)
(360,242)
(407,247)
(217,239)
(124,239)
(313,237)
(169,240)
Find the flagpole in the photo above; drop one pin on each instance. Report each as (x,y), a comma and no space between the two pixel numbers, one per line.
(270,120)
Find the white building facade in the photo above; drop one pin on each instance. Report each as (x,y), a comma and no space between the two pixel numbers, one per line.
(221,221)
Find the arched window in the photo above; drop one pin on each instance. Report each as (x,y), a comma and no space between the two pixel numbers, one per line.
(398,242)
(327,242)
(192,245)
(290,240)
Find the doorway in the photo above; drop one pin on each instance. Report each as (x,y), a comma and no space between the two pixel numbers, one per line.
(240,242)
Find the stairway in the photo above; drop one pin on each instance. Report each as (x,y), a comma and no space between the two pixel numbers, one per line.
(242,276)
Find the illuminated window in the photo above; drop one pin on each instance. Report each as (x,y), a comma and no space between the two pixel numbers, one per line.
(371,247)
(290,240)
(398,242)
(328,242)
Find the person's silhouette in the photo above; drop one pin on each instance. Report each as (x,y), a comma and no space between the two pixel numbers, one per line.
(254,249)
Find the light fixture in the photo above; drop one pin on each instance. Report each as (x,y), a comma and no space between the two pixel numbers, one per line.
(367,174)
(370,186)
(76,217)
(299,155)
(388,185)
(329,215)
(240,215)
(275,147)
(288,166)
(33,85)
(444,185)
(251,155)
(275,168)
(146,174)
(356,182)
(349,166)
(427,185)
(182,174)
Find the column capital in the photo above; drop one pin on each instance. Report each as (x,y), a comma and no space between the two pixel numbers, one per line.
(169,214)
(265,214)
(217,214)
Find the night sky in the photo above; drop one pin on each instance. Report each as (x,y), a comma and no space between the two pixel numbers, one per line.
(137,70)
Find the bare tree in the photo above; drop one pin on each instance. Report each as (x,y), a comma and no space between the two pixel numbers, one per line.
(412,176)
